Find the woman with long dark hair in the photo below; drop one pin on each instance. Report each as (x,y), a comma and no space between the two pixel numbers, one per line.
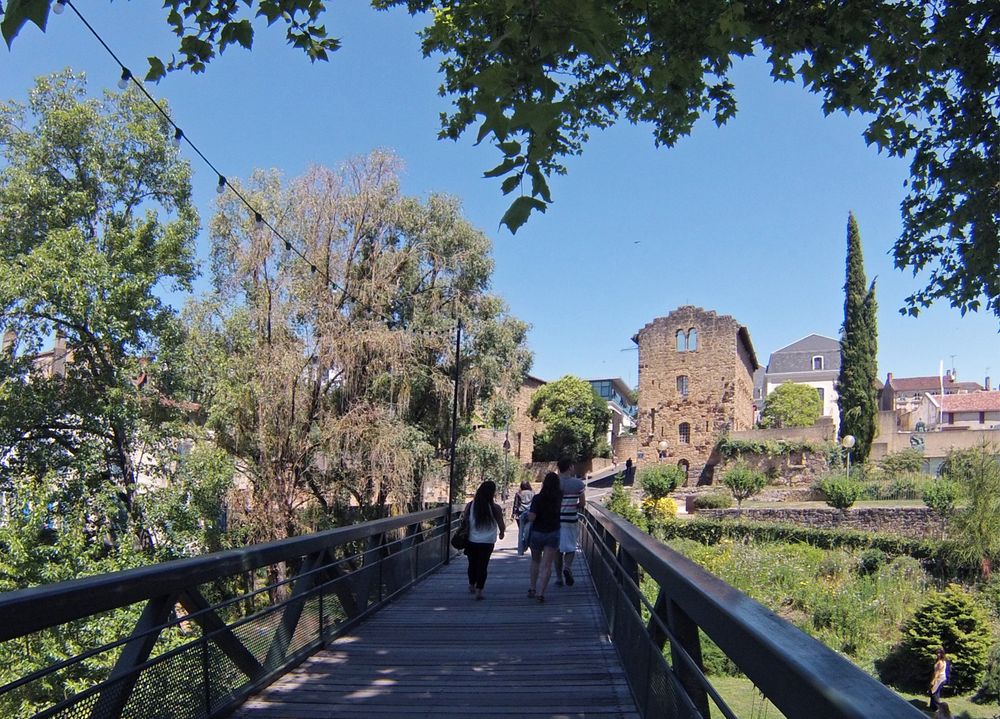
(486,524)
(544,539)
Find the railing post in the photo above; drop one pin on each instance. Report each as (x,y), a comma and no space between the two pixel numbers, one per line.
(686,633)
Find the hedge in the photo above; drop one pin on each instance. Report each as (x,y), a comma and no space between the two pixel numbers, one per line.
(935,554)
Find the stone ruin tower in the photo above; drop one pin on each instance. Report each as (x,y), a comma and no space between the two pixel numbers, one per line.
(695,383)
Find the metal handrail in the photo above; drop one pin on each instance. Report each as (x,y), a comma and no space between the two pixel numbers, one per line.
(797,673)
(259,643)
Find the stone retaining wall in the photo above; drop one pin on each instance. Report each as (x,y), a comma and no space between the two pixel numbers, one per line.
(915,522)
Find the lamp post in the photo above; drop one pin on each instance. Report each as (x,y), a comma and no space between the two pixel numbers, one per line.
(847,441)
(506,473)
(662,448)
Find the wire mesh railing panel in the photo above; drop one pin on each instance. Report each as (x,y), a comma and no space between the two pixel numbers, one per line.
(630,636)
(171,687)
(201,633)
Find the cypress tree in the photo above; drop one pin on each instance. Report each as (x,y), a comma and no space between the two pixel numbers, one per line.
(858,351)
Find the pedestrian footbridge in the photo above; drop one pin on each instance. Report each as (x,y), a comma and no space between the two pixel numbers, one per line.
(375,620)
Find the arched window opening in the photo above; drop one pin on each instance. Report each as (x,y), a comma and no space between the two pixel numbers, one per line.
(681,341)
(683,464)
(684,433)
(692,343)
(818,362)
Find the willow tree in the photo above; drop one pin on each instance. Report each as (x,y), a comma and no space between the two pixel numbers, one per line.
(328,360)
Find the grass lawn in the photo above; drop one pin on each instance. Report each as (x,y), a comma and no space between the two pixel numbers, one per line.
(745,701)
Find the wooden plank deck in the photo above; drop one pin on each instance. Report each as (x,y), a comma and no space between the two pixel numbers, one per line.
(438,653)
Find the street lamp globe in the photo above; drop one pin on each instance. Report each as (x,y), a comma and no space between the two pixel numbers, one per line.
(847,441)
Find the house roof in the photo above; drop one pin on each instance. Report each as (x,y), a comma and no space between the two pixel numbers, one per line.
(929,384)
(970,402)
(811,343)
(619,384)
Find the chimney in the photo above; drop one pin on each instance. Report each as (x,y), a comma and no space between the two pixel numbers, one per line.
(59,355)
(888,378)
(9,339)
(986,383)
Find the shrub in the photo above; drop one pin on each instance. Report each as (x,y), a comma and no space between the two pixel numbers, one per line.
(989,690)
(715,662)
(907,461)
(839,491)
(621,504)
(951,619)
(870,561)
(743,483)
(713,500)
(940,497)
(659,510)
(659,480)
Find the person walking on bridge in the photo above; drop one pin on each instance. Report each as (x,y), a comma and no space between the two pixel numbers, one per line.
(574,500)
(486,523)
(544,538)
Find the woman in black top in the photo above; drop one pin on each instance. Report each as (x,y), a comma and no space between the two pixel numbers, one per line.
(544,539)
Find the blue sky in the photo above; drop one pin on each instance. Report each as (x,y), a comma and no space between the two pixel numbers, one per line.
(748,220)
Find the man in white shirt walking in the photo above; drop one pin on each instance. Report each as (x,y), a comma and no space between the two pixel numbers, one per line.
(573,501)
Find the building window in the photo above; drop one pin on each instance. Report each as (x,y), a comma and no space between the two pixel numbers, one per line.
(818,362)
(822,395)
(982,418)
(681,341)
(692,341)
(652,421)
(684,433)
(683,464)
(682,385)
(951,418)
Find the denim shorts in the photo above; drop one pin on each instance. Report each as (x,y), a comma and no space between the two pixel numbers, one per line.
(538,540)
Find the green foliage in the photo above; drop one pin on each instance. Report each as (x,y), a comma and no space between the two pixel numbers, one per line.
(907,461)
(839,491)
(710,531)
(818,590)
(743,482)
(97,220)
(731,448)
(951,619)
(856,384)
(975,528)
(940,496)
(713,500)
(535,79)
(659,480)
(871,560)
(621,504)
(574,419)
(989,689)
(792,405)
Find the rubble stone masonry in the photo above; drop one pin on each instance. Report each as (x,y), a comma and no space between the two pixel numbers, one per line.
(695,382)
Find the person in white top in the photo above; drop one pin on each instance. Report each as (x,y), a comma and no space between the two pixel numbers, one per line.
(486,523)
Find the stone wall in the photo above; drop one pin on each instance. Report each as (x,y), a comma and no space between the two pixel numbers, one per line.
(626,446)
(792,469)
(915,522)
(719,372)
(521,432)
(823,431)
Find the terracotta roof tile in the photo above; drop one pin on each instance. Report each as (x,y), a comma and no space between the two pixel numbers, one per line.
(927,384)
(970,402)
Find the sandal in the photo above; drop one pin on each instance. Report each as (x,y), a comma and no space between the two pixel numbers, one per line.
(531,594)
(541,598)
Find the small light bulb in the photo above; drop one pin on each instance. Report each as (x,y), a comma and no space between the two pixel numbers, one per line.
(221,187)
(59,7)
(126,76)
(258,220)
(178,134)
